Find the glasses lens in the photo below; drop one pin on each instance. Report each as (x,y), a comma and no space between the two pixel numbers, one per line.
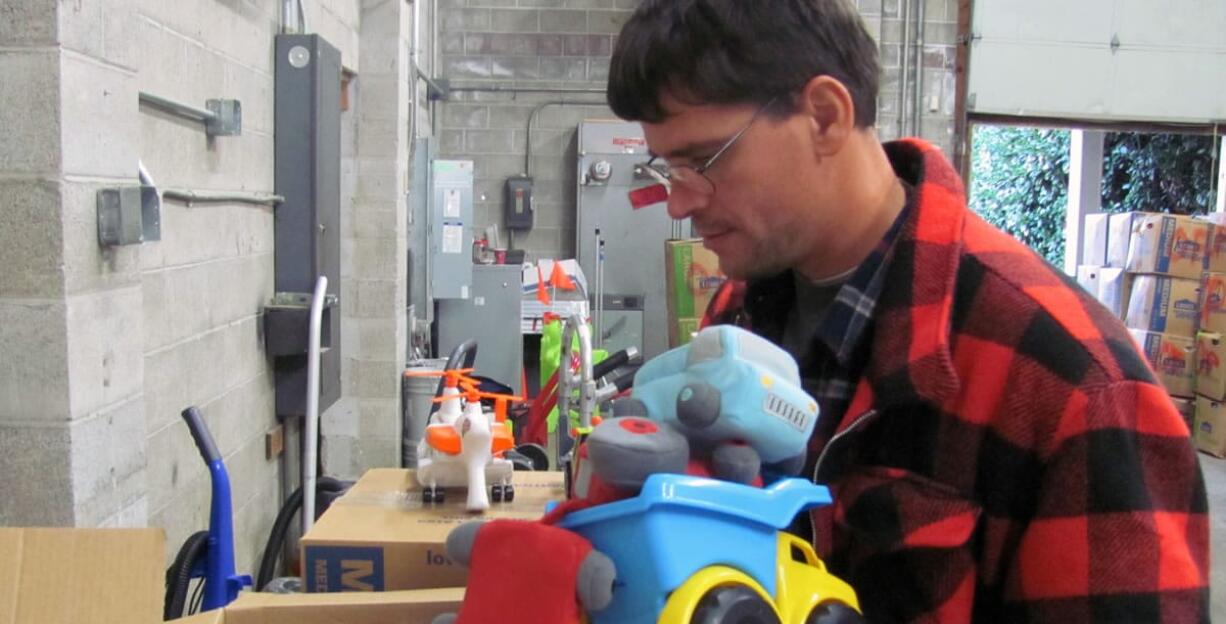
(689,178)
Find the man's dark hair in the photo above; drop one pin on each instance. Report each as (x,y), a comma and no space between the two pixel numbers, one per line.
(738,52)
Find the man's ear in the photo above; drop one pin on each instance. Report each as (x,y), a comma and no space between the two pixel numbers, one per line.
(831,113)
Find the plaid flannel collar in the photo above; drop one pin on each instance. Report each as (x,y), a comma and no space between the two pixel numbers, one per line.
(842,329)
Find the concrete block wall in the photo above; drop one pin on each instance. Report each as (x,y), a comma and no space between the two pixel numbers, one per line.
(525,44)
(362,430)
(533,43)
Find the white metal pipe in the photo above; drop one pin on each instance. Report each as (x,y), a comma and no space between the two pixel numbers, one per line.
(917,128)
(311,428)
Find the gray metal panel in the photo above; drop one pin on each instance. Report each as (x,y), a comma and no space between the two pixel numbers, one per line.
(634,239)
(451,240)
(491,316)
(307,174)
(420,296)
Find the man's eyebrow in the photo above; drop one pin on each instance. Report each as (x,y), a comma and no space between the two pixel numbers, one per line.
(690,150)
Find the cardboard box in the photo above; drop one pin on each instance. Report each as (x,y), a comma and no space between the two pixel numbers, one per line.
(116,576)
(1173,359)
(1217,242)
(1209,432)
(1169,245)
(1210,374)
(1164,304)
(1094,239)
(380,536)
(691,277)
(1187,409)
(1213,302)
(418,605)
(1114,289)
(1119,234)
(1088,278)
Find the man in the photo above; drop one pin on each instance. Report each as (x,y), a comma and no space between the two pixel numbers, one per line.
(996,447)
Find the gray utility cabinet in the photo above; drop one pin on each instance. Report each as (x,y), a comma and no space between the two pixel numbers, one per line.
(610,156)
(450,259)
(490,315)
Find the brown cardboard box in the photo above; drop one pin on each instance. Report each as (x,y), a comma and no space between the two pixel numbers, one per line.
(399,607)
(1114,289)
(1187,409)
(115,576)
(691,277)
(1173,358)
(1169,245)
(1164,304)
(380,536)
(1217,244)
(1210,372)
(1213,302)
(1210,430)
(1119,234)
(1094,239)
(1088,278)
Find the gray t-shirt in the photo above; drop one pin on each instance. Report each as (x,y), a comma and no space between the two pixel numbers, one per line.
(812,300)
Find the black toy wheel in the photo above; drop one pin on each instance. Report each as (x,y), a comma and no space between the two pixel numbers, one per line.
(440,495)
(733,604)
(508,493)
(496,493)
(427,495)
(834,613)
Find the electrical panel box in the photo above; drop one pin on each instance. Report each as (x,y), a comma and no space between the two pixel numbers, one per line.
(491,316)
(451,221)
(419,294)
(518,203)
(631,267)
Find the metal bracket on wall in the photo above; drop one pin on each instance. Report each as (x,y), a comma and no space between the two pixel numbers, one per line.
(222,117)
(126,217)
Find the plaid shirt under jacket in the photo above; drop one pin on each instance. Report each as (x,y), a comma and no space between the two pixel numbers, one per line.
(1007,455)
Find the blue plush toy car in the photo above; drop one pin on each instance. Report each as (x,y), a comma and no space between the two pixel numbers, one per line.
(727,385)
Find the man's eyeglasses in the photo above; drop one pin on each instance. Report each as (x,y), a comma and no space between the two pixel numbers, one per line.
(693,177)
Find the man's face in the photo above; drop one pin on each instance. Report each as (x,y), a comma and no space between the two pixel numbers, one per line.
(759,212)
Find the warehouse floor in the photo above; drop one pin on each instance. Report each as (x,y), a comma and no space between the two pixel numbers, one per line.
(1215,482)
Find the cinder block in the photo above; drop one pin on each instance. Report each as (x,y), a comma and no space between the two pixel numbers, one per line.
(33,246)
(497,167)
(252,523)
(376,258)
(564,21)
(372,220)
(242,413)
(105,348)
(184,514)
(256,471)
(108,462)
(379,138)
(489,141)
(563,68)
(99,122)
(465,19)
(200,234)
(606,22)
(380,418)
(35,462)
(376,379)
(174,466)
(598,69)
(28,23)
(466,67)
(515,20)
(375,339)
(103,29)
(88,266)
(34,371)
(379,453)
(454,42)
(341,420)
(376,298)
(341,457)
(30,111)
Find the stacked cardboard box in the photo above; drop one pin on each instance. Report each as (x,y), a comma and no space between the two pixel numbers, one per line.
(1165,276)
(691,277)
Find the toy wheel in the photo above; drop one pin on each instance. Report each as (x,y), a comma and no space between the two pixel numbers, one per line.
(427,495)
(496,493)
(508,493)
(733,604)
(834,613)
(440,495)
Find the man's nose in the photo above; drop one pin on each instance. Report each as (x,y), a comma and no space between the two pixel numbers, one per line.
(683,202)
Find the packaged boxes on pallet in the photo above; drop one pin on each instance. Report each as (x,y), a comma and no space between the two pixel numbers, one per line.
(1114,289)
(1217,242)
(1119,233)
(1169,245)
(1210,374)
(1088,278)
(380,536)
(1213,302)
(1187,409)
(1209,430)
(1164,304)
(1173,358)
(1094,239)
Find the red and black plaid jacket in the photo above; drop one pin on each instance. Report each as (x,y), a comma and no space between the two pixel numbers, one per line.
(1007,456)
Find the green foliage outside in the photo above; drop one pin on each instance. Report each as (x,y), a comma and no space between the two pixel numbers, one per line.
(1019,179)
